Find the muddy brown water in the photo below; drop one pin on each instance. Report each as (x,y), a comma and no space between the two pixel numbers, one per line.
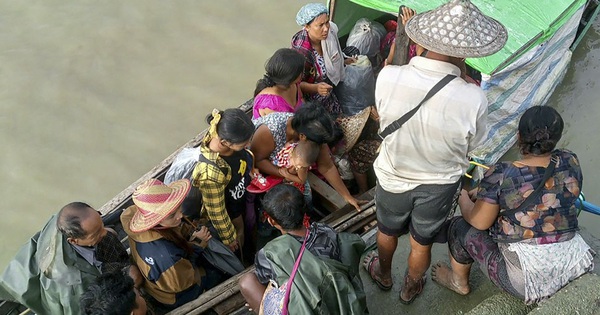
(94,94)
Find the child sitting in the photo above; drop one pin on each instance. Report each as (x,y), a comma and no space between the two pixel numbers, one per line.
(295,160)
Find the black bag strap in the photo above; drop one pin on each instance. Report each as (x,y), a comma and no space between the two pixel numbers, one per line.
(537,192)
(204,159)
(400,121)
(192,203)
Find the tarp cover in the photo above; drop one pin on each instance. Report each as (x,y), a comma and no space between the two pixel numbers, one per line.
(529,22)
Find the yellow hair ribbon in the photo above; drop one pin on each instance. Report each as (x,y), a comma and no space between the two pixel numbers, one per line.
(212,130)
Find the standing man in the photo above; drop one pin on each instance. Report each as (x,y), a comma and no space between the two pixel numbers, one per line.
(50,273)
(420,164)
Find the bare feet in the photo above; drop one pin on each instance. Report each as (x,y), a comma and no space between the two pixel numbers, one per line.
(443,275)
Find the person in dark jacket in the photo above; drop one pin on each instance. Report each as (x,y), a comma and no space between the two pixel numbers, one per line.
(161,244)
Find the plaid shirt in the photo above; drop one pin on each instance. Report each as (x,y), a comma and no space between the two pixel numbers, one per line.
(212,183)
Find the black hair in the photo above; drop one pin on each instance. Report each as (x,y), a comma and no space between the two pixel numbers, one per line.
(283,68)
(312,120)
(540,129)
(285,204)
(70,217)
(235,126)
(307,151)
(111,294)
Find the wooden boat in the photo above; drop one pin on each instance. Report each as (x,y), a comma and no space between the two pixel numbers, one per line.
(225,298)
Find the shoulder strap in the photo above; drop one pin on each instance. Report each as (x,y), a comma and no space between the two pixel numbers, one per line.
(400,121)
(204,159)
(286,298)
(538,190)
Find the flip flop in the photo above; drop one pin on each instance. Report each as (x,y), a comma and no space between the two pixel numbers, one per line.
(419,284)
(260,184)
(369,268)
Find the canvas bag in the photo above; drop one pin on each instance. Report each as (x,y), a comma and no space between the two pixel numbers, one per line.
(183,167)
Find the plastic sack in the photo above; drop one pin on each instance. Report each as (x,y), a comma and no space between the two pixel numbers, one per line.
(183,165)
(357,91)
(366,36)
(343,166)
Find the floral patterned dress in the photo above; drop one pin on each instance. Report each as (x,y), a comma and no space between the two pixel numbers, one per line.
(533,253)
(547,218)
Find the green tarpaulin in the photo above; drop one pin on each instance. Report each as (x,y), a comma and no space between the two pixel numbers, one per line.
(529,22)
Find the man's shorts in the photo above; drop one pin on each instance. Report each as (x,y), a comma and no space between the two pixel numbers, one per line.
(422,211)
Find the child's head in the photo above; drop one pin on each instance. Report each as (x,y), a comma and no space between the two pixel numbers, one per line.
(305,154)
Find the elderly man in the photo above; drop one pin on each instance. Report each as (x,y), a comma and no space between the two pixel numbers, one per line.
(49,273)
(420,164)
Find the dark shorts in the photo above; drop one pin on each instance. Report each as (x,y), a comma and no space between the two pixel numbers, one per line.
(422,211)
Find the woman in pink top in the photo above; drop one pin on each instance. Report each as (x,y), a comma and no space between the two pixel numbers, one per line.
(279,89)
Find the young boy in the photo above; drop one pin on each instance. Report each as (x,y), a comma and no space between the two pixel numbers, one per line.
(327,280)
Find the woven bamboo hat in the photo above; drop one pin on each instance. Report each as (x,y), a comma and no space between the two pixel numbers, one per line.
(458,29)
(155,201)
(352,126)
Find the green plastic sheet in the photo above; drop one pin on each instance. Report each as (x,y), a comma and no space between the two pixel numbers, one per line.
(528,22)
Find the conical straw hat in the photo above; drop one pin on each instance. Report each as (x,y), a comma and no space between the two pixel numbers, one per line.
(352,126)
(458,29)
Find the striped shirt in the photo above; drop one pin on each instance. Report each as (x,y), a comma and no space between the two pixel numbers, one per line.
(431,147)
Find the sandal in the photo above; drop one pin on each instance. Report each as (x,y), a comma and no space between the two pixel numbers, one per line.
(412,288)
(368,264)
(260,184)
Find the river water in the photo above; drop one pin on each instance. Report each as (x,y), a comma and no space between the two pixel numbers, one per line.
(94,94)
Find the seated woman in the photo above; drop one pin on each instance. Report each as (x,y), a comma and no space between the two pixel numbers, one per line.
(324,66)
(310,123)
(527,246)
(327,275)
(224,179)
(279,89)
(161,245)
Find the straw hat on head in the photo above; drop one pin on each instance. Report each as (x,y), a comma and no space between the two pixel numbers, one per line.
(352,126)
(457,29)
(155,201)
